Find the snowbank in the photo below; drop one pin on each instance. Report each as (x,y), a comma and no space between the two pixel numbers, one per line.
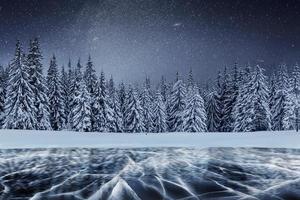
(45,139)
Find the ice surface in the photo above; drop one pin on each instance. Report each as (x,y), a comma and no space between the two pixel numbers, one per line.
(149,173)
(45,139)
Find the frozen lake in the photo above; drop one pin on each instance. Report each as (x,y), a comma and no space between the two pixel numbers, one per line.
(149,173)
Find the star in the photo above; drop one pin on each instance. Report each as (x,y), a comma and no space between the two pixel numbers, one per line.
(177,24)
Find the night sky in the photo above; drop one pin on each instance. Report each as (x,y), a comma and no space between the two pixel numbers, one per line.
(134,38)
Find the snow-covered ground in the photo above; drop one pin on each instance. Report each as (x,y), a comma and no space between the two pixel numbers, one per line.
(46,139)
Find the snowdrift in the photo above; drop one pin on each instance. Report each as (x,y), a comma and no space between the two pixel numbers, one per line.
(46,139)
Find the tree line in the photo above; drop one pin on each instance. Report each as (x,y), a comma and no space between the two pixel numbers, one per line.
(75,98)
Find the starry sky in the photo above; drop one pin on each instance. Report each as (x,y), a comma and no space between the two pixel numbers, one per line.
(134,38)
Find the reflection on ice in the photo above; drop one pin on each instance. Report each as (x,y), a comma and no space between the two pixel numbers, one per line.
(150,173)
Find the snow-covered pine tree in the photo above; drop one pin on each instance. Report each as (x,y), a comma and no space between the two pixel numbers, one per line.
(214,106)
(213,112)
(76,92)
(19,102)
(90,77)
(190,81)
(65,94)
(246,74)
(159,114)
(238,110)
(102,112)
(38,85)
(221,89)
(71,81)
(122,103)
(81,109)
(134,113)
(91,81)
(146,103)
(56,101)
(272,97)
(177,106)
(194,113)
(163,88)
(113,101)
(168,104)
(282,109)
(106,117)
(229,95)
(295,86)
(252,111)
(3,85)
(225,91)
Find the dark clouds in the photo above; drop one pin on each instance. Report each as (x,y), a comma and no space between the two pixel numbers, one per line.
(134,38)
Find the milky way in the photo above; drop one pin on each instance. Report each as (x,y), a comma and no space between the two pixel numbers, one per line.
(155,37)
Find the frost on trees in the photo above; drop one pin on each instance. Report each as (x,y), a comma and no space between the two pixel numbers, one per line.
(56,103)
(252,111)
(134,113)
(121,94)
(38,85)
(213,112)
(214,107)
(101,110)
(194,114)
(114,104)
(65,93)
(228,99)
(159,114)
(19,103)
(81,120)
(3,84)
(146,104)
(91,81)
(295,90)
(282,105)
(177,106)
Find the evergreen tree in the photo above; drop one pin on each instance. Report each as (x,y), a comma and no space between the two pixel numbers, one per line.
(194,114)
(116,121)
(146,104)
(252,108)
(56,103)
(229,95)
(122,102)
(169,87)
(133,114)
(90,77)
(3,84)
(102,112)
(159,114)
(282,110)
(71,81)
(190,82)
(65,94)
(103,102)
(163,88)
(213,112)
(215,106)
(19,102)
(177,106)
(38,86)
(221,90)
(81,109)
(295,87)
(77,90)
(272,97)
